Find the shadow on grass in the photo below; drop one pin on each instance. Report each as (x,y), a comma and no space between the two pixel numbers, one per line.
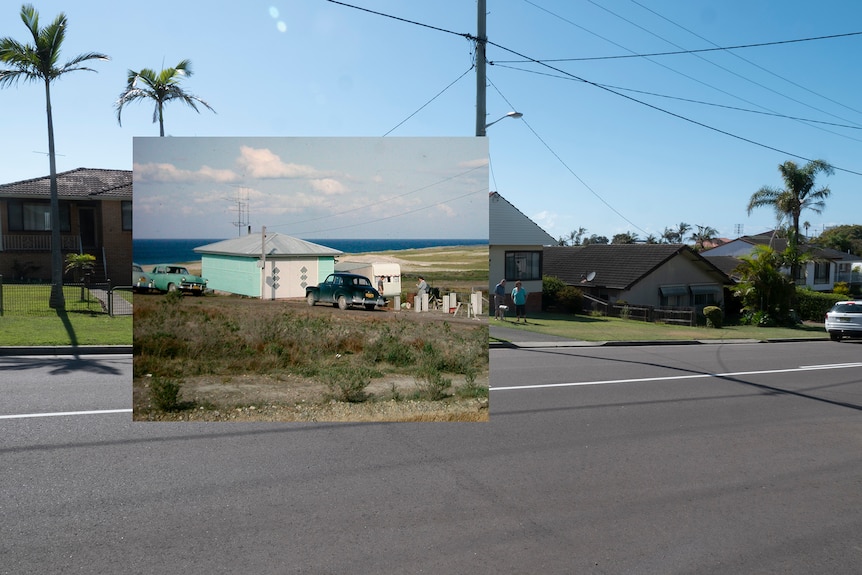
(67,324)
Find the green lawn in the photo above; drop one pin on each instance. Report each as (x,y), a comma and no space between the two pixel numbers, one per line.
(28,320)
(589,328)
(74,328)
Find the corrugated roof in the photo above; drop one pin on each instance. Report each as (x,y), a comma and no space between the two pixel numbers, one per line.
(78,184)
(276,245)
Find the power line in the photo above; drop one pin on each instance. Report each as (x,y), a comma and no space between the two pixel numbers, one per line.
(365,207)
(668,112)
(690,100)
(566,166)
(654,107)
(697,56)
(754,64)
(429,101)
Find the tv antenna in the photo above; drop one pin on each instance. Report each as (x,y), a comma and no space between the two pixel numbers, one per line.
(242,210)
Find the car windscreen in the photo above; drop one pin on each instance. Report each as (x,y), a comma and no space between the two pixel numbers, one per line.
(848,308)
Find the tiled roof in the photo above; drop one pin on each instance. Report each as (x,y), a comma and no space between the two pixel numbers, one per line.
(617,266)
(78,184)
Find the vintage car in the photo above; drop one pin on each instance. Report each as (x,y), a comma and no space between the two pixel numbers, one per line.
(344,290)
(141,280)
(173,277)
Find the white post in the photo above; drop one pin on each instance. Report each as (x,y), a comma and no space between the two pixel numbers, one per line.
(398,302)
(424,302)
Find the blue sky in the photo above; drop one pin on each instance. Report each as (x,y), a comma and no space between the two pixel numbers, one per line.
(581,156)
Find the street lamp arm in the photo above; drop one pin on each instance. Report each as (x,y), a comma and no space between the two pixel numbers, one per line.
(509,115)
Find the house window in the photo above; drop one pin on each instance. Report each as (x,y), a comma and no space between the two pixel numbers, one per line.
(523,265)
(705,294)
(673,295)
(127,216)
(36,216)
(821,272)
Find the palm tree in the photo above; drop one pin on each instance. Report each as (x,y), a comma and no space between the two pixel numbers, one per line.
(37,62)
(702,235)
(161,88)
(798,195)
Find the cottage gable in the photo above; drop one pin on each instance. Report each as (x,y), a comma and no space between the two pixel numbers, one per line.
(508,226)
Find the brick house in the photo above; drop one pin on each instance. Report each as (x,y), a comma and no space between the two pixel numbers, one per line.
(95,218)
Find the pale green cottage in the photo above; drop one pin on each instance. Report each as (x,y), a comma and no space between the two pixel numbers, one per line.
(289,265)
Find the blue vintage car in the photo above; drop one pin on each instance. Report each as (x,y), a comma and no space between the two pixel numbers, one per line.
(344,290)
(141,280)
(173,277)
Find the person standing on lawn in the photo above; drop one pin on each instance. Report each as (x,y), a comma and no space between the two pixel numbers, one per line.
(499,297)
(519,296)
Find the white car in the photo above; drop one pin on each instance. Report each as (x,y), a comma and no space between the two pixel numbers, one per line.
(844,320)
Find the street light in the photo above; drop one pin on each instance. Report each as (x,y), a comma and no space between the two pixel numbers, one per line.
(509,115)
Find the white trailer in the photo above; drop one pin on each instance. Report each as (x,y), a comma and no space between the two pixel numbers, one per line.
(387,273)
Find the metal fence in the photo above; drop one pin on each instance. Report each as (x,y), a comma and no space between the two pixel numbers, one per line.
(19,299)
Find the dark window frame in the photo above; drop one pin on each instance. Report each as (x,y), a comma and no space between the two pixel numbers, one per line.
(532,268)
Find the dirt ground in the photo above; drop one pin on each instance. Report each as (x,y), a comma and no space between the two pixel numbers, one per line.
(288,397)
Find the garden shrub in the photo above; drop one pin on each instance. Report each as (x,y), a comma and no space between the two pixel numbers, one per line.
(551,288)
(812,305)
(714,316)
(570,299)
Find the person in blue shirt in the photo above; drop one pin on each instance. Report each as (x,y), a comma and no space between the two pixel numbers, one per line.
(519,297)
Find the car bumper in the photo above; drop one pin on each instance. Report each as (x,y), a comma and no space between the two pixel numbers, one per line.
(195,288)
(379,302)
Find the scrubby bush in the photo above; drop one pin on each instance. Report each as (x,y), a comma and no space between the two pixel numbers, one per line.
(347,383)
(714,316)
(842,289)
(165,393)
(431,383)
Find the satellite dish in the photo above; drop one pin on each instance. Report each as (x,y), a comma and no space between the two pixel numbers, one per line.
(591,276)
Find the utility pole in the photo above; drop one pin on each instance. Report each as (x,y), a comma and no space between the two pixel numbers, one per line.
(262,262)
(481,41)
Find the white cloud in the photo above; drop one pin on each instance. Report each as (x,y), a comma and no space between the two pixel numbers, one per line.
(169,173)
(329,187)
(264,164)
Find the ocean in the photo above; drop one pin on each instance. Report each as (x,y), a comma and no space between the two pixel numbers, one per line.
(150,252)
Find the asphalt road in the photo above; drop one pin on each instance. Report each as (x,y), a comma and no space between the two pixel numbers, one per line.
(680,459)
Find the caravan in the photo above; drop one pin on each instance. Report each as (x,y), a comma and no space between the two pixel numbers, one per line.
(385,274)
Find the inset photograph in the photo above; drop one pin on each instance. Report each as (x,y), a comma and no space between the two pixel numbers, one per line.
(310,279)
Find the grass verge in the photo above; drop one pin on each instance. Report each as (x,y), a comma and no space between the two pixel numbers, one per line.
(72,328)
(600,328)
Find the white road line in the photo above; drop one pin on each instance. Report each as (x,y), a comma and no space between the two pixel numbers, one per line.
(681,377)
(63,413)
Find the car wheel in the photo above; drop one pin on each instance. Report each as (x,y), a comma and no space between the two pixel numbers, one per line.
(370,306)
(172,287)
(310,299)
(342,302)
(835,336)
